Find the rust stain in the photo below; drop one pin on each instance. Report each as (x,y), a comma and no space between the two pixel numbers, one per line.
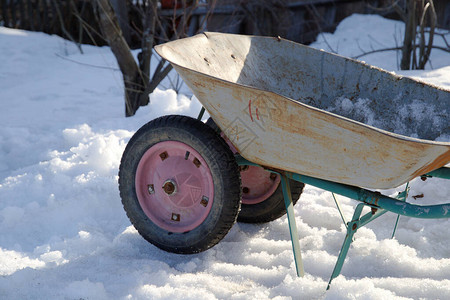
(441,161)
(257,115)
(418,196)
(197,163)
(163,155)
(250,109)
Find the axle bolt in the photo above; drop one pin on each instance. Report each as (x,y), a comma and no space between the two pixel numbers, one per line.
(169,187)
(151,189)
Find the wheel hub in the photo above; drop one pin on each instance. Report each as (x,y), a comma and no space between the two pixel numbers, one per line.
(174,186)
(170,187)
(257,184)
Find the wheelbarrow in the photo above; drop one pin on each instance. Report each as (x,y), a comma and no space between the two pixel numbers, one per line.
(282,115)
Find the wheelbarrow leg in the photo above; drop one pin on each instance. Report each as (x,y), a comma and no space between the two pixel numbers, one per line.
(292,225)
(200,114)
(402,197)
(351,230)
(352,226)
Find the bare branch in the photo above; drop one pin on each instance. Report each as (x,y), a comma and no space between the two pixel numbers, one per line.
(445,41)
(88,28)
(359,46)
(410,36)
(425,54)
(442,35)
(400,12)
(63,28)
(148,37)
(385,8)
(156,80)
(376,51)
(396,45)
(85,64)
(210,11)
(132,76)
(441,48)
(395,49)
(312,9)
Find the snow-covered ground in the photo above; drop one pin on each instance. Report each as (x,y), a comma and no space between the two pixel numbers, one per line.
(65,235)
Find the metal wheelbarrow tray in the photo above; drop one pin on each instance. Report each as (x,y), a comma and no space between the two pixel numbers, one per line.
(270,97)
(300,115)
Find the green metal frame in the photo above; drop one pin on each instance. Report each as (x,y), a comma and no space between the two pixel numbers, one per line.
(379,204)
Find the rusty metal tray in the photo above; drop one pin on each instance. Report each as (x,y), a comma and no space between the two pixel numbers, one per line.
(281,105)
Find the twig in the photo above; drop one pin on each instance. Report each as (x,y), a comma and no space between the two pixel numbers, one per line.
(400,12)
(359,46)
(85,64)
(375,40)
(395,48)
(312,8)
(409,37)
(63,28)
(210,11)
(392,6)
(89,28)
(77,15)
(443,36)
(396,45)
(378,50)
(441,48)
(425,54)
(157,78)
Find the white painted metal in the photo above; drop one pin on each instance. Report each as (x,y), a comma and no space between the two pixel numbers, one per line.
(271,96)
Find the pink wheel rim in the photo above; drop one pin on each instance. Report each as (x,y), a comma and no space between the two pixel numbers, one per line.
(257,184)
(174,186)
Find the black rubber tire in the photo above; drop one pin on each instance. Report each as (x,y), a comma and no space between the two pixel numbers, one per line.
(270,209)
(225,175)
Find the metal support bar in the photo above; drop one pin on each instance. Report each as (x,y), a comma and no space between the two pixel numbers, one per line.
(287,195)
(353,226)
(242,161)
(292,225)
(376,199)
(358,222)
(338,205)
(351,230)
(200,115)
(369,217)
(443,172)
(402,197)
(395,226)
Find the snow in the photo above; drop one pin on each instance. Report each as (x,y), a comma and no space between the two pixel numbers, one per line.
(418,117)
(65,235)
